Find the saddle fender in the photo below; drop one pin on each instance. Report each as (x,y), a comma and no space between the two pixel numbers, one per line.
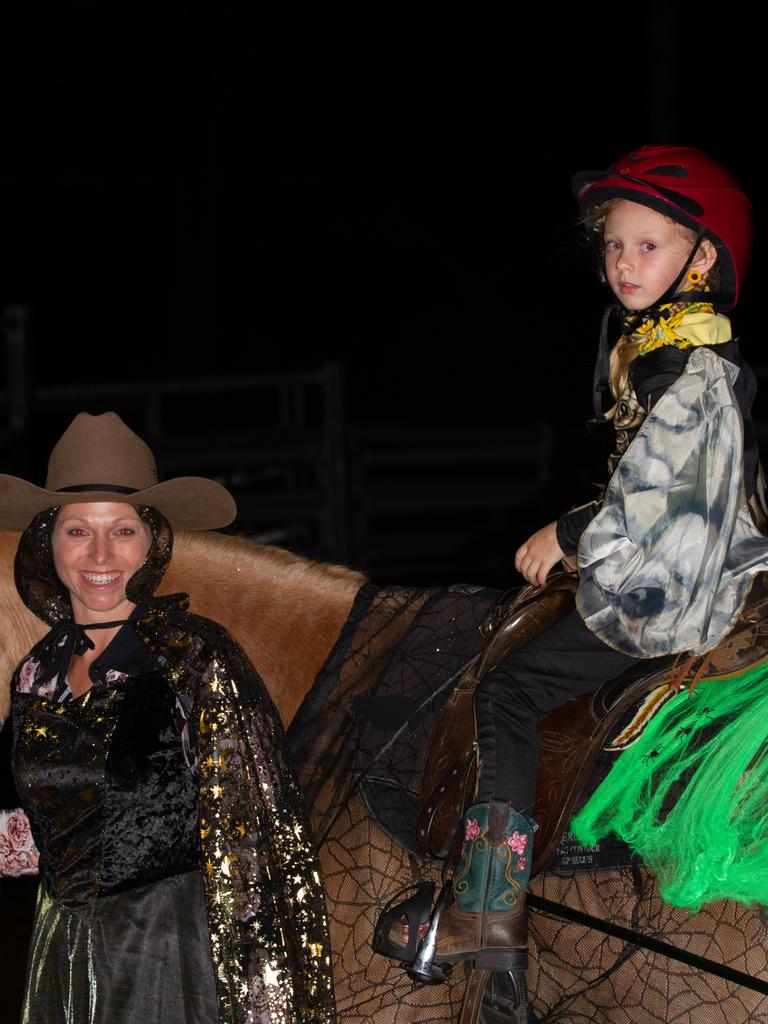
(450,768)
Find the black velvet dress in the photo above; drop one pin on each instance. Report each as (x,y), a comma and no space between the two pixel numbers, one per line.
(179,880)
(110,782)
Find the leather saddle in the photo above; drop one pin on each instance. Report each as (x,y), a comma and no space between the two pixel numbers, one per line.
(571,736)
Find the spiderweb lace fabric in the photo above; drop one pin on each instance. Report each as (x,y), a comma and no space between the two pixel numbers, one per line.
(580,976)
(360,740)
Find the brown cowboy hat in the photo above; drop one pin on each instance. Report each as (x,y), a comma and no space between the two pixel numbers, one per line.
(98,458)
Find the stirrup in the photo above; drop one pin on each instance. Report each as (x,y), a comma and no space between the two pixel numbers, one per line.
(416,909)
(418,953)
(424,968)
(506,998)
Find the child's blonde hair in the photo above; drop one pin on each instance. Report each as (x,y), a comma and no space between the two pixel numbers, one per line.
(625,351)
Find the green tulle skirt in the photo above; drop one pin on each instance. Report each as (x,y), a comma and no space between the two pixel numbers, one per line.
(139,957)
(690,797)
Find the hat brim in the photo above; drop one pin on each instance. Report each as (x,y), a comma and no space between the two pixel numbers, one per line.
(187,502)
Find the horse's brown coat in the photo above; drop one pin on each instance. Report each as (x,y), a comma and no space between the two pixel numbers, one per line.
(285,610)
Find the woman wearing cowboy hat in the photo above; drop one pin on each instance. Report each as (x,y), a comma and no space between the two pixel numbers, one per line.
(178,882)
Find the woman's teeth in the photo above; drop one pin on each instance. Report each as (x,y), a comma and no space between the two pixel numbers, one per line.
(101,577)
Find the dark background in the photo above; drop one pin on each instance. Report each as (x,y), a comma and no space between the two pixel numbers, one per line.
(197,194)
(209,194)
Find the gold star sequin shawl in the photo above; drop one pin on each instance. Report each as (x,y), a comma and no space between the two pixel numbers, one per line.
(266,909)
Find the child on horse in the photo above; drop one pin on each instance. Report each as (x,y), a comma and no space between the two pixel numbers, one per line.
(667,555)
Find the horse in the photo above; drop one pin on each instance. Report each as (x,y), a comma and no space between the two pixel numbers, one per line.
(291,614)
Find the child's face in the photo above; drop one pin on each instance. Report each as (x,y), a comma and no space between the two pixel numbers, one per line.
(644,253)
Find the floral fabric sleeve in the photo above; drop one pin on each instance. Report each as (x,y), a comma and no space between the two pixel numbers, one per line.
(18,853)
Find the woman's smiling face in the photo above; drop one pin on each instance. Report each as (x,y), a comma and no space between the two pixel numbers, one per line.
(97,547)
(645,252)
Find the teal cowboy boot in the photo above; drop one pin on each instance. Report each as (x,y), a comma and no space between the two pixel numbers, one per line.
(487,924)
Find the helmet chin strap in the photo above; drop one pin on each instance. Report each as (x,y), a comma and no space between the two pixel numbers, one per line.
(631,318)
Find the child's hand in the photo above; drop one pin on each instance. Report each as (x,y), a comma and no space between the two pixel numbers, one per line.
(539,554)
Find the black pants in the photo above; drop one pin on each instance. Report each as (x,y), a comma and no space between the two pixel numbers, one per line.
(509,703)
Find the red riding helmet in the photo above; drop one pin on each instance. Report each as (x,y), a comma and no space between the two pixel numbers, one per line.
(691,188)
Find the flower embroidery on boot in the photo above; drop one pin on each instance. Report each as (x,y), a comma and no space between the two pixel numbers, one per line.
(517,843)
(473,830)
